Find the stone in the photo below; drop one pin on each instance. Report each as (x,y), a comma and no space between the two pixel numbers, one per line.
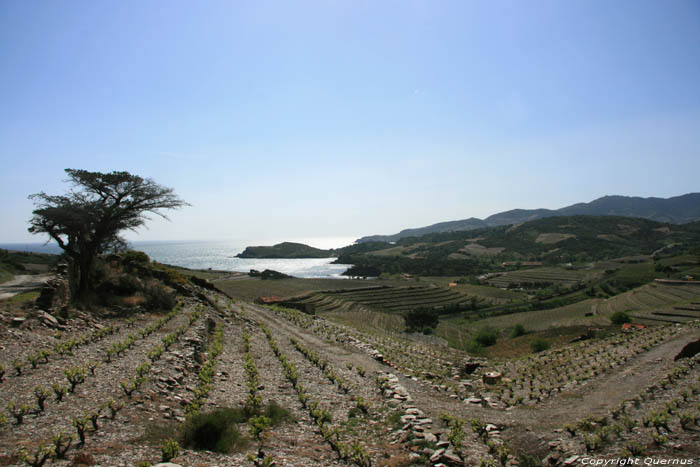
(571,460)
(492,377)
(450,458)
(429,437)
(436,455)
(17,321)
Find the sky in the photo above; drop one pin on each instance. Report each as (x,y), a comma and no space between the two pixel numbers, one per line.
(285,120)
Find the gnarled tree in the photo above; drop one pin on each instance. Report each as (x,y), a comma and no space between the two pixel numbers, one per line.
(86,221)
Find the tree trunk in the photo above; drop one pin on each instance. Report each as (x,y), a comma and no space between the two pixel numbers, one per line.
(85,265)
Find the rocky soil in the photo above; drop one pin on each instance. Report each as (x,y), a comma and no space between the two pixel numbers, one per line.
(381,400)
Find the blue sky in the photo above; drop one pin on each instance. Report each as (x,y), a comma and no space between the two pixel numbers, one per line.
(330,118)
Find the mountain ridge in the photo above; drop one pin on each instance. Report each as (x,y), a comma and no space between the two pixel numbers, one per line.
(680,209)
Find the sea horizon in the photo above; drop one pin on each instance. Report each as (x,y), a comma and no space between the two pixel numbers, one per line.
(218,255)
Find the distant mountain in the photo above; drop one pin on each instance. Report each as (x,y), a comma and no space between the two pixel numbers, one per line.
(675,210)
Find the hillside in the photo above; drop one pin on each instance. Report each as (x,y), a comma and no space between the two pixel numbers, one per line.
(287,250)
(551,240)
(674,210)
(230,381)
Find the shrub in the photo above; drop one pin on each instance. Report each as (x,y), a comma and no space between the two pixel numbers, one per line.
(540,344)
(258,425)
(518,330)
(135,257)
(159,298)
(214,431)
(276,413)
(170,450)
(421,320)
(486,337)
(619,317)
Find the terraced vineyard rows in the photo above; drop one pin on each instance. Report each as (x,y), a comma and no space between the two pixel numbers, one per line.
(98,386)
(656,302)
(318,393)
(394,299)
(557,276)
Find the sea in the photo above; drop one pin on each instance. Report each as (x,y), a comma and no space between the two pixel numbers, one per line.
(220,255)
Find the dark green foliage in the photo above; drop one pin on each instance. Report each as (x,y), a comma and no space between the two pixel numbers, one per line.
(135,257)
(619,317)
(486,337)
(217,430)
(214,431)
(87,221)
(159,298)
(518,330)
(421,320)
(539,345)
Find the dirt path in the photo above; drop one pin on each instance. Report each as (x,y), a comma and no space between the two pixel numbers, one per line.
(22,283)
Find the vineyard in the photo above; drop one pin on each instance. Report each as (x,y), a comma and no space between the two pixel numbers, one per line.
(387,298)
(539,277)
(288,388)
(656,302)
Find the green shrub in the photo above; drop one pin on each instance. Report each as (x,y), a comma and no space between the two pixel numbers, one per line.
(135,257)
(619,317)
(486,337)
(421,320)
(518,330)
(214,431)
(170,450)
(539,345)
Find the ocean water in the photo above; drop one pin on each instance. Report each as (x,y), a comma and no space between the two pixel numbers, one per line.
(215,255)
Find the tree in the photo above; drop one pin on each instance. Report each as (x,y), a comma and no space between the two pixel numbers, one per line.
(86,221)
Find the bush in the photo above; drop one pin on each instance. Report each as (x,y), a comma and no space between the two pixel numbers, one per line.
(135,257)
(128,285)
(276,413)
(421,320)
(539,345)
(620,317)
(214,431)
(170,450)
(518,330)
(159,298)
(486,337)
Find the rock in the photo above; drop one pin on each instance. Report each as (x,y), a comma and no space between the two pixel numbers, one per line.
(436,455)
(167,464)
(17,321)
(571,460)
(451,459)
(492,377)
(429,437)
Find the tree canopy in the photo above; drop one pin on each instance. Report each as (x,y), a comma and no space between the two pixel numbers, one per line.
(87,220)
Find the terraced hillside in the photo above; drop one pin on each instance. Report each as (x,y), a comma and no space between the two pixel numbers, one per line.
(540,276)
(121,392)
(658,301)
(385,298)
